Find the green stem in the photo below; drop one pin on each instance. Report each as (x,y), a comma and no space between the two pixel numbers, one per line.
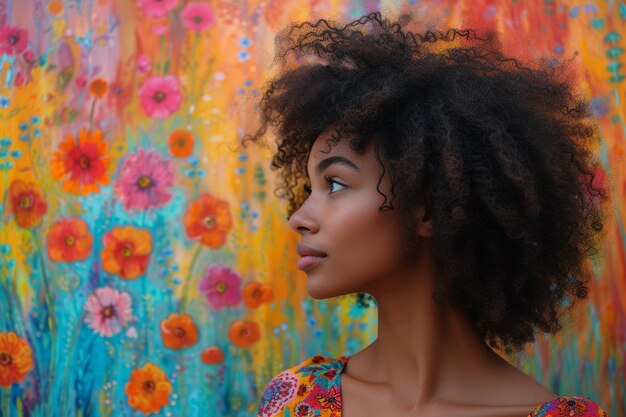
(188,281)
(6,401)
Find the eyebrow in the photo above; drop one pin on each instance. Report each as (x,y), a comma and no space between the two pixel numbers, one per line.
(335,160)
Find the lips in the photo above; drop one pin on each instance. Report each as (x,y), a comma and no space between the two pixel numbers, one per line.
(310,257)
(306,250)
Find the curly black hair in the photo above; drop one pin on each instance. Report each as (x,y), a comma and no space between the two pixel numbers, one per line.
(505,149)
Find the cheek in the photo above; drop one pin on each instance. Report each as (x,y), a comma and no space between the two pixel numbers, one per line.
(367,246)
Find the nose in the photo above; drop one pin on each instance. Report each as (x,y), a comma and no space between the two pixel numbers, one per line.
(302,220)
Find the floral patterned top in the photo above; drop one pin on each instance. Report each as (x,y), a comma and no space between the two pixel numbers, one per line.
(313,389)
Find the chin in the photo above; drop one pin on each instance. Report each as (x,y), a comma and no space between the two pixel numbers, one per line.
(322,291)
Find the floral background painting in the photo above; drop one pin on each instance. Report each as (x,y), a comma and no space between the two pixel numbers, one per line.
(146,266)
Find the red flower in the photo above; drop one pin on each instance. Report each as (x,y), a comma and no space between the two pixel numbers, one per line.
(69,240)
(13,40)
(26,203)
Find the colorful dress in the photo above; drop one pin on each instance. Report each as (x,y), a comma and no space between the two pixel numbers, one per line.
(313,389)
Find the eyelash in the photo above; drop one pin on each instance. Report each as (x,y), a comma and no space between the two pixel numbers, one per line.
(329,181)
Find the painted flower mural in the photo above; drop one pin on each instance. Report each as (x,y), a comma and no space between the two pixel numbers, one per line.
(160,97)
(145,265)
(69,240)
(16,359)
(13,40)
(145,181)
(197,16)
(221,286)
(126,251)
(109,311)
(81,162)
(148,389)
(26,203)
(178,331)
(208,220)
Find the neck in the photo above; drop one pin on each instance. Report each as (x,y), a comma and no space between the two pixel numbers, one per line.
(421,343)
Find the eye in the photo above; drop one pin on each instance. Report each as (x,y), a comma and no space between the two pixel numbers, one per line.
(330,182)
(307,188)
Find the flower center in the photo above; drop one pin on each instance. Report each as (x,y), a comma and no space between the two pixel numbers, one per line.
(69,240)
(209,222)
(197,19)
(84,162)
(108,311)
(180,332)
(144,182)
(26,201)
(256,293)
(5,359)
(126,251)
(149,386)
(220,287)
(159,96)
(181,142)
(13,39)
(245,332)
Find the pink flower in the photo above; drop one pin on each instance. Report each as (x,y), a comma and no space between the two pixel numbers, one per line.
(81,81)
(13,40)
(145,181)
(29,56)
(157,8)
(160,96)
(160,29)
(221,286)
(197,16)
(144,64)
(108,311)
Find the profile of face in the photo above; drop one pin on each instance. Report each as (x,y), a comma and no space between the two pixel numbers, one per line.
(361,247)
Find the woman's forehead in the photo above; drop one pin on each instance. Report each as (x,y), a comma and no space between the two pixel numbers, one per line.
(324,148)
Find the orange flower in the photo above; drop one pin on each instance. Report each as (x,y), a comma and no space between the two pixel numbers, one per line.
(178,331)
(244,333)
(180,142)
(208,219)
(148,389)
(126,251)
(256,293)
(16,359)
(98,88)
(83,160)
(26,203)
(212,355)
(69,240)
(55,7)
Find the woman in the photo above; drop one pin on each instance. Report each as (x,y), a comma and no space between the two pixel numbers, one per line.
(455,186)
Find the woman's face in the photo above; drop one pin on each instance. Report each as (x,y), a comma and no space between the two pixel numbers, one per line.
(362,245)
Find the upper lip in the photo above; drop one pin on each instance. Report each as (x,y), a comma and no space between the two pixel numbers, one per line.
(306,250)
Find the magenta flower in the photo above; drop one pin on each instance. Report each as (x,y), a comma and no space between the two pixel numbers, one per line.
(157,8)
(197,16)
(160,30)
(221,286)
(144,64)
(160,96)
(108,311)
(145,181)
(13,40)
